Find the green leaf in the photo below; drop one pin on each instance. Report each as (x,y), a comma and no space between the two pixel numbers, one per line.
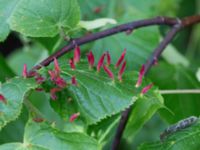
(142,111)
(96,96)
(173,56)
(18,125)
(182,105)
(14,91)
(6,9)
(44,18)
(198,74)
(97,23)
(184,139)
(41,136)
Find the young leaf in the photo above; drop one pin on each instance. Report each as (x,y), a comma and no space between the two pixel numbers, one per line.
(42,136)
(145,108)
(44,18)
(98,23)
(187,138)
(14,92)
(6,9)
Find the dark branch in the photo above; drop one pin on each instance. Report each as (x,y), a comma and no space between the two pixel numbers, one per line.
(92,37)
(188,21)
(157,52)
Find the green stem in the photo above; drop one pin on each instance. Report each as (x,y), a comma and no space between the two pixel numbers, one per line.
(181,91)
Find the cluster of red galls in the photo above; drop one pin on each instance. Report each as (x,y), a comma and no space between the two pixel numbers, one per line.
(61,83)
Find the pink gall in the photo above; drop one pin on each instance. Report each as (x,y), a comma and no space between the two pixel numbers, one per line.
(56,66)
(146,88)
(108,71)
(77,54)
(74,116)
(108,58)
(2,99)
(100,62)
(40,79)
(121,71)
(74,82)
(25,72)
(53,92)
(60,82)
(71,63)
(120,59)
(90,58)
(141,74)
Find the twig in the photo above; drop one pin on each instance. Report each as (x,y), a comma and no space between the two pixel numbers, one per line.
(181,91)
(156,54)
(92,37)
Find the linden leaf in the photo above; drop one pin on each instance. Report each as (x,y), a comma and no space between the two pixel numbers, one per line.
(44,18)
(6,9)
(14,92)
(96,96)
(41,136)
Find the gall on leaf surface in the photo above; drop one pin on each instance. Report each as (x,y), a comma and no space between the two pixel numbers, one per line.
(96,95)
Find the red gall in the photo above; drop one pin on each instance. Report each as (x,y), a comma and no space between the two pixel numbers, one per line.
(77,54)
(108,58)
(25,72)
(146,88)
(74,82)
(71,63)
(2,99)
(74,116)
(141,74)
(52,74)
(53,92)
(121,71)
(60,82)
(100,62)
(90,58)
(56,66)
(39,79)
(120,59)
(108,71)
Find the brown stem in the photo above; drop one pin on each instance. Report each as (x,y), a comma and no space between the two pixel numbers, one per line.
(117,29)
(188,21)
(157,52)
